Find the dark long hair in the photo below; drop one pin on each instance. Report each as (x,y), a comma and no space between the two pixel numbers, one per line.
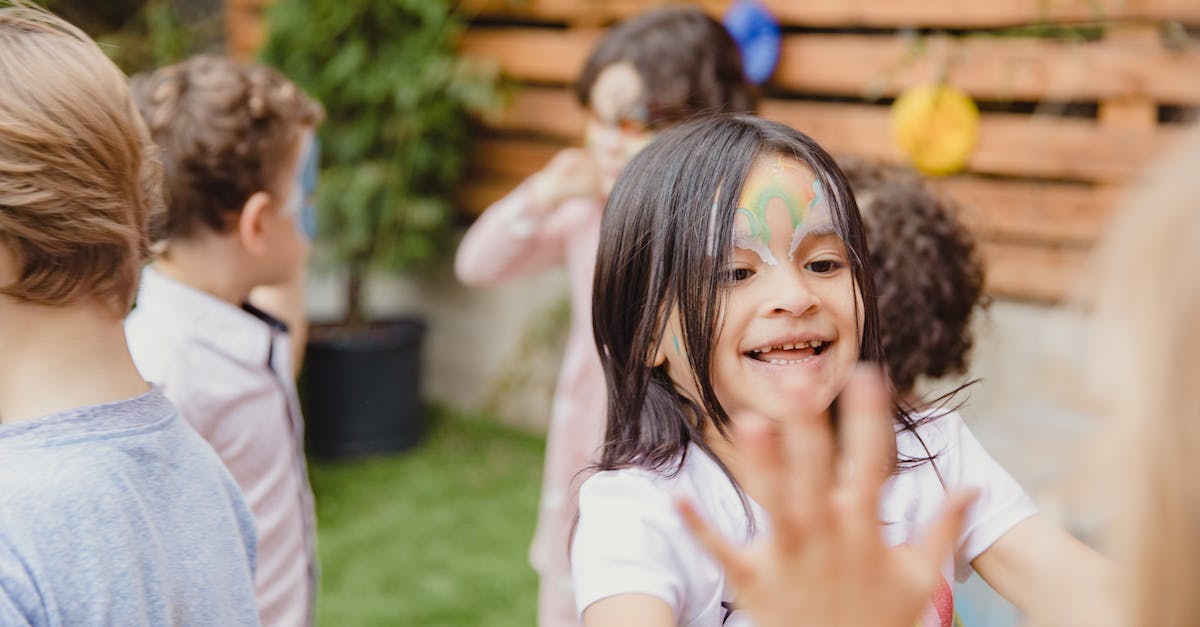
(664,239)
(688,62)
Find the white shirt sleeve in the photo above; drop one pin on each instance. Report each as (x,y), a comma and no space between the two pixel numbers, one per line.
(1001,503)
(629,539)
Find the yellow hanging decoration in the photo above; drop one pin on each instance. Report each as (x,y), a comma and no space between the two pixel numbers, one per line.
(936,127)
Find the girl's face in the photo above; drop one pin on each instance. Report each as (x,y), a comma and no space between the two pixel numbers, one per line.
(617,123)
(790,330)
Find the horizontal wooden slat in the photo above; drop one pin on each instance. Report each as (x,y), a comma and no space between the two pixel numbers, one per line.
(1041,146)
(871,65)
(1009,144)
(532,54)
(999,209)
(1036,273)
(1030,212)
(515,158)
(245,27)
(872,13)
(990,68)
(482,191)
(542,110)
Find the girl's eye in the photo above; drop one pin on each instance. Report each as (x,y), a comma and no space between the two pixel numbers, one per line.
(824,266)
(737,275)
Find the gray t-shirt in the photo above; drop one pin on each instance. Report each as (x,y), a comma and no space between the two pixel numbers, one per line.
(119,514)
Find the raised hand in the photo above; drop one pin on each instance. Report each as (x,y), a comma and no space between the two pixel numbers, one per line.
(824,562)
(572,173)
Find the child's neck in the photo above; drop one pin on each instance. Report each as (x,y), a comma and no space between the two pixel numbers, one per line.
(60,358)
(210,264)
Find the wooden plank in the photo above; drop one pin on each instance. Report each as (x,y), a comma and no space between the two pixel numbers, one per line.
(245,27)
(473,199)
(868,13)
(532,54)
(1028,211)
(1131,111)
(874,65)
(990,68)
(543,110)
(515,158)
(1000,209)
(1009,144)
(1003,210)
(1035,273)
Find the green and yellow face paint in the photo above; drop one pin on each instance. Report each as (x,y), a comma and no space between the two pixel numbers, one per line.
(782,185)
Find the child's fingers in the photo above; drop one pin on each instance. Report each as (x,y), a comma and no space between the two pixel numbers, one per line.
(867,436)
(736,567)
(766,473)
(808,452)
(942,536)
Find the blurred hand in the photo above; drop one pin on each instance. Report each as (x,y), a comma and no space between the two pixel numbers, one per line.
(572,173)
(825,562)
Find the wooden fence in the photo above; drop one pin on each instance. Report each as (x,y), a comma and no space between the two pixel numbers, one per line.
(1077,97)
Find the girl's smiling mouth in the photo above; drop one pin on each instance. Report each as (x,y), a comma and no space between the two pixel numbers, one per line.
(788,352)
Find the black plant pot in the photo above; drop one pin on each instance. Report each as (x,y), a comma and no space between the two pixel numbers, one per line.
(361,389)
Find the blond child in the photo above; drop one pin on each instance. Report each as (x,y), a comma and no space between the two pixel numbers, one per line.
(112,510)
(234,138)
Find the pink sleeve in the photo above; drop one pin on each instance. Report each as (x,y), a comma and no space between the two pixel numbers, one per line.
(507,241)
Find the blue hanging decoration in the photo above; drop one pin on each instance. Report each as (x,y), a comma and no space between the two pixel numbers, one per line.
(758,37)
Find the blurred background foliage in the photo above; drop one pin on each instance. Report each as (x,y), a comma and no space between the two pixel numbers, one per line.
(140,35)
(397,136)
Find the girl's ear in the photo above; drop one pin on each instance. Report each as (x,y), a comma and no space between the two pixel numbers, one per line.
(250,224)
(660,356)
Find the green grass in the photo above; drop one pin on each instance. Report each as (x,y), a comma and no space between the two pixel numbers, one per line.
(435,536)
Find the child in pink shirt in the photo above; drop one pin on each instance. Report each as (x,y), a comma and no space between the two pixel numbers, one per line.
(645,74)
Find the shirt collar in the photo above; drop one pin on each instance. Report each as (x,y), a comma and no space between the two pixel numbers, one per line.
(244,333)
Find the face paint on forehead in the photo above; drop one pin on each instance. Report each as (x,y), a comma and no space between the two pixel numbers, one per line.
(751,231)
(814,213)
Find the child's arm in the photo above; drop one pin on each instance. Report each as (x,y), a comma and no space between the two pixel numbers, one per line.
(1052,577)
(524,231)
(629,610)
(825,562)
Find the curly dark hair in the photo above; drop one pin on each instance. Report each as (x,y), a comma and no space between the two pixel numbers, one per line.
(226,130)
(688,63)
(928,275)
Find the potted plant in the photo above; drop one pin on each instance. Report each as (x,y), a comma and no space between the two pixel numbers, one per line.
(394,148)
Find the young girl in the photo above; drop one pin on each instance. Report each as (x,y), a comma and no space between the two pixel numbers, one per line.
(1154,405)
(733,277)
(644,75)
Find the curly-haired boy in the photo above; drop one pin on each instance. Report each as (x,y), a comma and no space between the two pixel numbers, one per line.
(928,274)
(235,140)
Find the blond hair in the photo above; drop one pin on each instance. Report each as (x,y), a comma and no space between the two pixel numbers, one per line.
(226,130)
(76,184)
(1148,308)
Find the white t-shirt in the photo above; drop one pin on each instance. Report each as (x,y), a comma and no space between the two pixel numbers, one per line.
(631,540)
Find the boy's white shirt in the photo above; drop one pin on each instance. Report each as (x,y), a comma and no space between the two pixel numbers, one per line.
(228,371)
(631,540)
